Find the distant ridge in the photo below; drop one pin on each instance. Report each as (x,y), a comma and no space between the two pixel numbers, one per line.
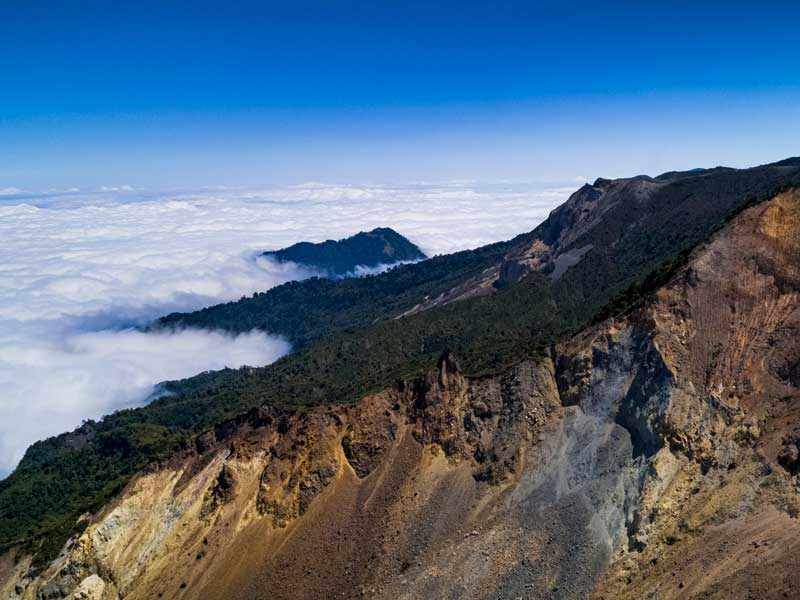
(793,161)
(335,259)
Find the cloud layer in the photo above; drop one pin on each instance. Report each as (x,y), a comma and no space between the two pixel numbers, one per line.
(78,269)
(49,384)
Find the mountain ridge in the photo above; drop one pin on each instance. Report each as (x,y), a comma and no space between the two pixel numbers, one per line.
(489,331)
(598,469)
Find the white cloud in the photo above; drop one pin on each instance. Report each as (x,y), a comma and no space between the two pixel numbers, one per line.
(116,188)
(77,268)
(10,191)
(50,383)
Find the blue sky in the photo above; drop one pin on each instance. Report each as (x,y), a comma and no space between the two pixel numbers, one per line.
(248,93)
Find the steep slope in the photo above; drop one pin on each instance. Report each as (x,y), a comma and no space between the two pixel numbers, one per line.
(381,246)
(648,456)
(638,241)
(726,525)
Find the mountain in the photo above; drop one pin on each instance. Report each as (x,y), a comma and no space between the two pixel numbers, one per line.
(370,249)
(606,406)
(303,311)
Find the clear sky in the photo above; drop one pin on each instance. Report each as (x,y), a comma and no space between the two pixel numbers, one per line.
(244,93)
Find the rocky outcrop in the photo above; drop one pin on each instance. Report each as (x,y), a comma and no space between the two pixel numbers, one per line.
(650,456)
(555,245)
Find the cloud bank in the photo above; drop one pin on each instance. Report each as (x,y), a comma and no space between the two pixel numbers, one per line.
(78,269)
(51,383)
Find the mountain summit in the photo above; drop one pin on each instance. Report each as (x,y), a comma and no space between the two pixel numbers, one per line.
(370,249)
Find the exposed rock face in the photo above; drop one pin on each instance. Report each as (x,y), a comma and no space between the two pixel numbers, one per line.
(271,479)
(719,515)
(568,223)
(653,456)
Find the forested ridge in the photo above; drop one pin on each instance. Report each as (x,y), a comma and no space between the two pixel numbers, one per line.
(348,346)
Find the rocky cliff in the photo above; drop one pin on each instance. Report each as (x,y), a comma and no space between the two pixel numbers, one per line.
(653,455)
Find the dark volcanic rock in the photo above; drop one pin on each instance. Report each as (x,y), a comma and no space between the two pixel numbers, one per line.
(789,456)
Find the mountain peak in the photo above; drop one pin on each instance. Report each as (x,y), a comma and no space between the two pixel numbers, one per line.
(338,258)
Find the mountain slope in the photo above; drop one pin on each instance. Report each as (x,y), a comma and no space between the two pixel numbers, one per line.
(381,246)
(645,456)
(640,232)
(303,311)
(655,218)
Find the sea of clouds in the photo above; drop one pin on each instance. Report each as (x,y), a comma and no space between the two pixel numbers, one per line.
(79,270)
